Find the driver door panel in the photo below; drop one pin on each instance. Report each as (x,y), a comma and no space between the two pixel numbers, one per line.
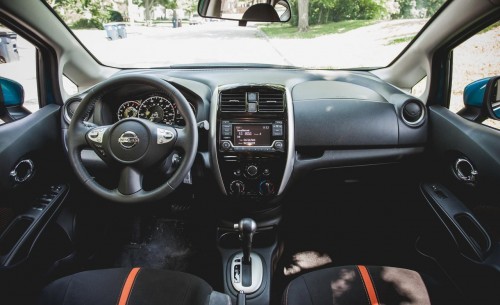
(31,167)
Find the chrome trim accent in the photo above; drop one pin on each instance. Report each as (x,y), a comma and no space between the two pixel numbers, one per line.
(257,273)
(29,172)
(128,139)
(66,105)
(420,119)
(212,140)
(461,176)
(291,143)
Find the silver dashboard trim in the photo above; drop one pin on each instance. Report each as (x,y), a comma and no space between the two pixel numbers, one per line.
(213,133)
(291,143)
(212,141)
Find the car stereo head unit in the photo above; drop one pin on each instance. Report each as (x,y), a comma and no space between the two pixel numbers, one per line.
(252,136)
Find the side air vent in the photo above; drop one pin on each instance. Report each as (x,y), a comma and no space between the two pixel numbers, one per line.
(70,108)
(271,101)
(233,101)
(413,113)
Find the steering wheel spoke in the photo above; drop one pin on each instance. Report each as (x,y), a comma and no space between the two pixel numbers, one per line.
(130,181)
(182,141)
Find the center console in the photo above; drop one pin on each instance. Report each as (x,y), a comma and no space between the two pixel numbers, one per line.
(252,132)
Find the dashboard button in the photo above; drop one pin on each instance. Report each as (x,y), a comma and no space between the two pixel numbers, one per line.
(278,145)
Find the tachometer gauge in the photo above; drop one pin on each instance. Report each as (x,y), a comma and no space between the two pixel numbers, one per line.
(128,110)
(179,120)
(157,109)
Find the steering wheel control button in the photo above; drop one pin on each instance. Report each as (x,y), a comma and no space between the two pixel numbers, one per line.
(128,139)
(164,136)
(96,134)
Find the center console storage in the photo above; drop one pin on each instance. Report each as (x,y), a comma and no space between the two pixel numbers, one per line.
(253,136)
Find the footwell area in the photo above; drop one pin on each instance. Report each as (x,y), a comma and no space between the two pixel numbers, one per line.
(162,244)
(157,240)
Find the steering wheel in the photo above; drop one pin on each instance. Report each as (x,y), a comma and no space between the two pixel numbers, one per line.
(132,145)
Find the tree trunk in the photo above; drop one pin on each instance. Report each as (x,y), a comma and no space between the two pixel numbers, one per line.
(148,9)
(303,6)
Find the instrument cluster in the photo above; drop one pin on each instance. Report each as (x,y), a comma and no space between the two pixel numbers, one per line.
(155,108)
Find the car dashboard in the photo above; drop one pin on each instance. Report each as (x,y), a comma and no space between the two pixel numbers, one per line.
(263,128)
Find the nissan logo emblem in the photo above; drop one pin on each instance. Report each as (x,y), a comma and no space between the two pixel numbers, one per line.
(128,139)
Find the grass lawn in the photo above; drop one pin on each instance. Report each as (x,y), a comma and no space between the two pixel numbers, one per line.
(401,40)
(288,31)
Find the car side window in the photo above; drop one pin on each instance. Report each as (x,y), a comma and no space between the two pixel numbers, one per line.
(474,59)
(18,63)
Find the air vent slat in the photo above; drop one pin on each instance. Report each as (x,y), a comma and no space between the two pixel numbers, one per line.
(271,101)
(232,101)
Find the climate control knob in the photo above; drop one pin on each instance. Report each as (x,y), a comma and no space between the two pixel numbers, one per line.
(266,188)
(236,188)
(252,170)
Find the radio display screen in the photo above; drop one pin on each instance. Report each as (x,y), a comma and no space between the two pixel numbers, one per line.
(252,134)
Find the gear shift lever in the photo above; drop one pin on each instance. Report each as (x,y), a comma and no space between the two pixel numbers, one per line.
(247,228)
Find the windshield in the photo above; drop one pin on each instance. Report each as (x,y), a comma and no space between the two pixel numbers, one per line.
(331,34)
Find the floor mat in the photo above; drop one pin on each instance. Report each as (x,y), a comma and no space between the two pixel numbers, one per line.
(160,244)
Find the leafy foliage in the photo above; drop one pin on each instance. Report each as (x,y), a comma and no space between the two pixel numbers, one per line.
(115,16)
(86,24)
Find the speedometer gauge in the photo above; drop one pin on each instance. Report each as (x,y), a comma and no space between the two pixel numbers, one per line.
(157,109)
(128,110)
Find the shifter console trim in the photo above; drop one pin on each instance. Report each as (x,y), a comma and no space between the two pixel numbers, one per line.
(257,273)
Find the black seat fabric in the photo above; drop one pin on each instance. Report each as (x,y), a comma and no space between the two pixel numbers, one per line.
(353,285)
(125,286)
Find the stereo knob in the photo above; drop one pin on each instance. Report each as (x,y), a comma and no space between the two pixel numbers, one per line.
(236,188)
(226,145)
(266,188)
(252,170)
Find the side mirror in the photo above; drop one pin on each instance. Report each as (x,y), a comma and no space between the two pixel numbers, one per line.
(492,97)
(474,93)
(245,10)
(12,93)
(11,96)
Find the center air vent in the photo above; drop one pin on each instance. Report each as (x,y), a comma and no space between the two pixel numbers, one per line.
(233,101)
(271,101)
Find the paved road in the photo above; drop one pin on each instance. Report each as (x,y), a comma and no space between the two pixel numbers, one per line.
(213,42)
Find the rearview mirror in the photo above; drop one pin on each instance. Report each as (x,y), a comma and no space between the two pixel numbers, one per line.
(492,97)
(246,10)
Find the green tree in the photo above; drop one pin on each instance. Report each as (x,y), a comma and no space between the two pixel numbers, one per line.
(169,4)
